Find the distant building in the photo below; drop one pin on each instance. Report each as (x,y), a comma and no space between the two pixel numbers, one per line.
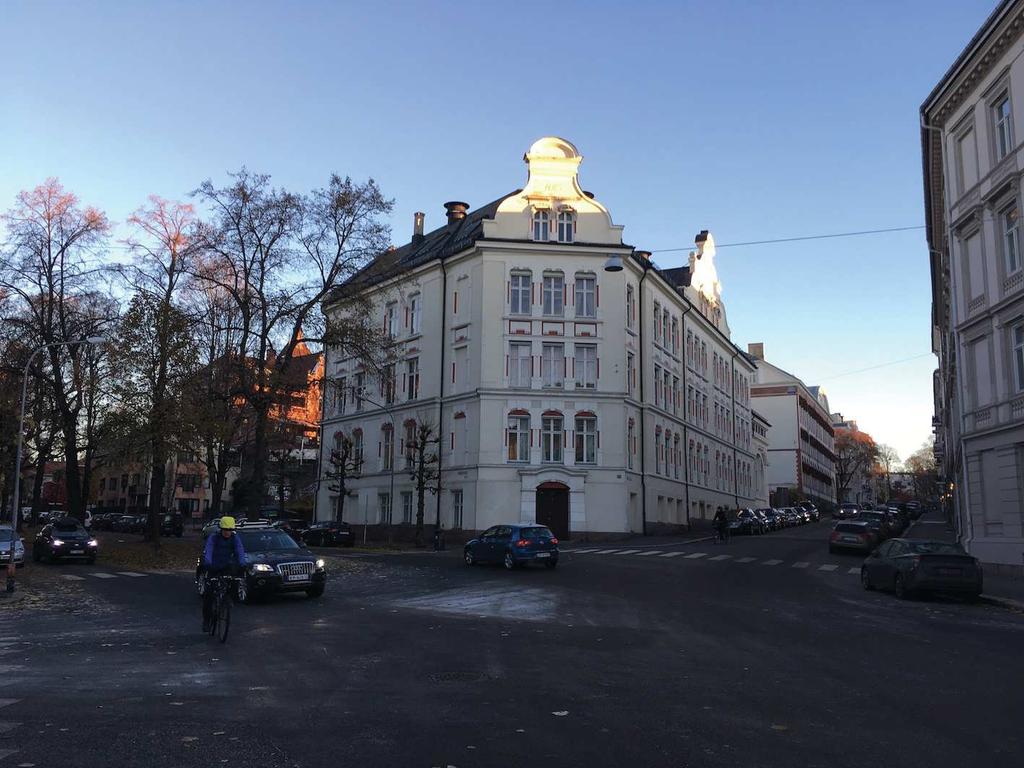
(801,451)
(762,442)
(973,167)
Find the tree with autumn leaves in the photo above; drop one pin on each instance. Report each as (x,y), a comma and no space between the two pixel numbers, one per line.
(856,455)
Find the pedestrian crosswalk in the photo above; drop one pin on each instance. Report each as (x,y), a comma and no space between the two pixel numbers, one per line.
(103,575)
(708,557)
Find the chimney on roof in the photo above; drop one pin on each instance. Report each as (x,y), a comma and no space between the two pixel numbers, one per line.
(644,256)
(456,211)
(756,350)
(417,226)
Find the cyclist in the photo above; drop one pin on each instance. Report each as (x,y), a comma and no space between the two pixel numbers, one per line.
(222,556)
(721,522)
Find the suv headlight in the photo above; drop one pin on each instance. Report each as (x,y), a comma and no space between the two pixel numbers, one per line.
(93,543)
(320,564)
(262,568)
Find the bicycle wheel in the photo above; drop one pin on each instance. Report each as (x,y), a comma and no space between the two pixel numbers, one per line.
(223,618)
(214,611)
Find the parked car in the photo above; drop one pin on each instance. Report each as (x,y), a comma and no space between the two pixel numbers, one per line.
(328,534)
(513,546)
(909,566)
(810,511)
(846,510)
(856,535)
(792,516)
(879,521)
(171,524)
(774,519)
(276,563)
(5,548)
(746,523)
(766,524)
(914,509)
(122,523)
(64,539)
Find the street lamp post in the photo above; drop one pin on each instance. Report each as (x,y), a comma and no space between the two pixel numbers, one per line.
(16,504)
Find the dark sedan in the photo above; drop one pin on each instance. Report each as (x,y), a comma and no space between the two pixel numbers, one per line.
(513,546)
(172,525)
(328,534)
(64,539)
(882,522)
(853,535)
(275,564)
(909,566)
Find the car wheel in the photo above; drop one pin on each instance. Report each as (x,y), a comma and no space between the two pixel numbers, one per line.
(509,562)
(865,580)
(551,565)
(901,588)
(315,591)
(468,557)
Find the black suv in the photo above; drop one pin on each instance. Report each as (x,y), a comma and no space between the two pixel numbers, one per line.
(64,539)
(275,563)
(329,533)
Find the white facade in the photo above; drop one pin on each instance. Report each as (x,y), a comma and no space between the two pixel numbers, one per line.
(762,442)
(801,451)
(972,125)
(530,359)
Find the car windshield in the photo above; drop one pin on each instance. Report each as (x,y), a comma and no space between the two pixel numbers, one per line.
(934,548)
(66,526)
(262,541)
(535,533)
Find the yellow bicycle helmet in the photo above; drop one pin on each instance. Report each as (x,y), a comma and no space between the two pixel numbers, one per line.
(227,523)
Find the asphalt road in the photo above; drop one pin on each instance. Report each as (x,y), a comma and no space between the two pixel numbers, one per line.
(625,657)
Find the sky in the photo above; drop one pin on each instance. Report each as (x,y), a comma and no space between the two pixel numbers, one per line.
(754,120)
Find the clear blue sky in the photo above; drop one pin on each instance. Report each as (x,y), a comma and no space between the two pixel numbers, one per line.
(754,120)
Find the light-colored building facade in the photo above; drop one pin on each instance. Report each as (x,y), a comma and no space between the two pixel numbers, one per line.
(971,130)
(593,401)
(762,442)
(801,453)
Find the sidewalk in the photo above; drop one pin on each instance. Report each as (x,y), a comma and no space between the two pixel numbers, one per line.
(1007,591)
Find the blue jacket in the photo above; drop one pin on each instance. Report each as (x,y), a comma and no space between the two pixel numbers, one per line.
(221,553)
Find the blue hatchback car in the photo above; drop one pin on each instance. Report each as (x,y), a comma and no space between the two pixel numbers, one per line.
(513,546)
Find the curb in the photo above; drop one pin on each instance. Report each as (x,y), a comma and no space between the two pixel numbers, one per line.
(1004,602)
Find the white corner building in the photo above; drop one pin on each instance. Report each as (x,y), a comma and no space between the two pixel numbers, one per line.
(589,400)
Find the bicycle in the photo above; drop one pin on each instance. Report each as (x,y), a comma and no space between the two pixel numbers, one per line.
(220,610)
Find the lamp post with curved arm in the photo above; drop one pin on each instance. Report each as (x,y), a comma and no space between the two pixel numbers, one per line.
(16,502)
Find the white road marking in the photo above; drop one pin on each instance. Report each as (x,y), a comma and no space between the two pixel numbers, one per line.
(130,573)
(800,565)
(746,559)
(72,577)
(771,562)
(581,551)
(8,702)
(606,551)
(103,575)
(855,569)
(671,554)
(650,552)
(629,552)
(720,557)
(828,567)
(696,555)
(7,753)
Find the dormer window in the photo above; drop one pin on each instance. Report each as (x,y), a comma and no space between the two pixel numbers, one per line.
(566,227)
(541,226)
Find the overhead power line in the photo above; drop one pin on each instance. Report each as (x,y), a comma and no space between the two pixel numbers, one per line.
(876,367)
(795,239)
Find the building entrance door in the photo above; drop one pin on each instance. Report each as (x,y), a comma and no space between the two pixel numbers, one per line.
(553,508)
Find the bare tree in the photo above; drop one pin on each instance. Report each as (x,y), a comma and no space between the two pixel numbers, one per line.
(156,349)
(48,273)
(426,469)
(345,462)
(278,255)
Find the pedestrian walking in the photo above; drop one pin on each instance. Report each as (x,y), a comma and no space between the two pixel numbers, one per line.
(721,523)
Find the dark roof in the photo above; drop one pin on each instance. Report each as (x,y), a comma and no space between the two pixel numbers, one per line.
(439,244)
(678,276)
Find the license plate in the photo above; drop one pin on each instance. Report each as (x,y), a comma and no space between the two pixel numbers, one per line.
(851,539)
(297,577)
(76,552)
(543,554)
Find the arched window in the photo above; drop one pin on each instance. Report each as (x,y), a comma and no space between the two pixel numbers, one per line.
(566,227)
(586,438)
(551,437)
(518,436)
(541,226)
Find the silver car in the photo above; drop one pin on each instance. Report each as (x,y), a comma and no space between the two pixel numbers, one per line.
(5,547)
